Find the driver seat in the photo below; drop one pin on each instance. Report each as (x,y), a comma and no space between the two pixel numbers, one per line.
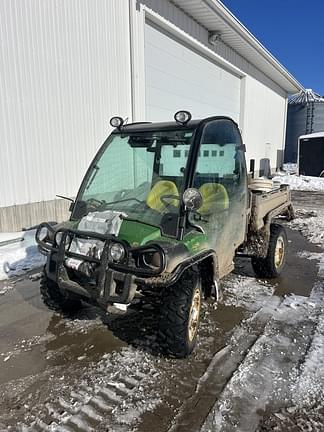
(162,187)
(215,198)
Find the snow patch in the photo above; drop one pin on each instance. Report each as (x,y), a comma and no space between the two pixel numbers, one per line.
(247,292)
(311,227)
(19,258)
(304,183)
(309,388)
(264,379)
(102,394)
(11,237)
(5,288)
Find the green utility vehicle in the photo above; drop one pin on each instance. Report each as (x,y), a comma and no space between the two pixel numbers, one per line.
(163,209)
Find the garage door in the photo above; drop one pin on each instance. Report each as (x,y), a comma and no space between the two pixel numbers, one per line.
(179,78)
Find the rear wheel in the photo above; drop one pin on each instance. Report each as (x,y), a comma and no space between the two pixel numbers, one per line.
(54,298)
(180,316)
(272,265)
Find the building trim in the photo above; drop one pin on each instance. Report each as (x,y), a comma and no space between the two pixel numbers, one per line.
(237,34)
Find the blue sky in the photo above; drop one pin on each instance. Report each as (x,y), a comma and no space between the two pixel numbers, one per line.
(292,30)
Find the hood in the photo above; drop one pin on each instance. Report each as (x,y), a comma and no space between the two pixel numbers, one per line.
(137,233)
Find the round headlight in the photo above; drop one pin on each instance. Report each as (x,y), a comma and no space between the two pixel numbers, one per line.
(182,117)
(43,234)
(58,239)
(152,260)
(116,122)
(117,252)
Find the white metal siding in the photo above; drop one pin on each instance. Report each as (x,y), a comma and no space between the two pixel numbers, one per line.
(179,78)
(263,102)
(264,122)
(64,70)
(185,22)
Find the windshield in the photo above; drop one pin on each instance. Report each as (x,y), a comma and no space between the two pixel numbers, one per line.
(140,175)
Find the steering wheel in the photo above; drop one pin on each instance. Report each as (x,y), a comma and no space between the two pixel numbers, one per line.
(95,203)
(163,199)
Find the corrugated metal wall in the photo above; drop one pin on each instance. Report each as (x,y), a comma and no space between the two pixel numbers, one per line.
(67,66)
(60,81)
(263,102)
(174,14)
(302,119)
(264,121)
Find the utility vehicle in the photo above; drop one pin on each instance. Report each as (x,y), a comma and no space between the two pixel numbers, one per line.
(163,208)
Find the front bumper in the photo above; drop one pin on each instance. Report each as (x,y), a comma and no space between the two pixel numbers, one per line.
(114,282)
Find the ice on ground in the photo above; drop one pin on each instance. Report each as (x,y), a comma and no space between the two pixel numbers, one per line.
(304,183)
(247,292)
(18,258)
(271,367)
(309,389)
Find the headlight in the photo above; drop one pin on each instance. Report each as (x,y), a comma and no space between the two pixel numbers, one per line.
(117,252)
(43,234)
(58,239)
(152,259)
(182,117)
(116,122)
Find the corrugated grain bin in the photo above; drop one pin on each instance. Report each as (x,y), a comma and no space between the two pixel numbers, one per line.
(305,116)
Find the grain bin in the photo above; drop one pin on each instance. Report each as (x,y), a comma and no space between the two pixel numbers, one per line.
(305,116)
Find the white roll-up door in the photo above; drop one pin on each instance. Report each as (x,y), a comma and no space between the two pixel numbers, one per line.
(179,78)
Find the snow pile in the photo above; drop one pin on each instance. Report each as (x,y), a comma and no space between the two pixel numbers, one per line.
(311,227)
(10,237)
(18,258)
(304,183)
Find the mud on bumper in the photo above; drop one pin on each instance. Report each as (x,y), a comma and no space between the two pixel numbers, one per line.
(115,283)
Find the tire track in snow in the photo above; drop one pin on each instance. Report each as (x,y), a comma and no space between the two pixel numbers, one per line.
(263,380)
(112,394)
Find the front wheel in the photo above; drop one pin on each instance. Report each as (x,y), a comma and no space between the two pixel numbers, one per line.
(54,299)
(180,316)
(272,265)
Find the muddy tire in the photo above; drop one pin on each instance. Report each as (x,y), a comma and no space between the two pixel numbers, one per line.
(272,265)
(180,316)
(54,299)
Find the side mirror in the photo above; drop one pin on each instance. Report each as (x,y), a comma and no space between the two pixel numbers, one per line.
(192,199)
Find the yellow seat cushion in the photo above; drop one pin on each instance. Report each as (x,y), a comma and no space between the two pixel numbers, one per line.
(215,198)
(162,187)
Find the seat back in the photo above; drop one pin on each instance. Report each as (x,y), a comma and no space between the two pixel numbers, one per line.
(162,187)
(215,198)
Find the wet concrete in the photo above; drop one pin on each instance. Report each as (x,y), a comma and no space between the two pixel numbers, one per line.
(38,347)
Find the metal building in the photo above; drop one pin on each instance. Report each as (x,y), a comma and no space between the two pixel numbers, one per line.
(305,116)
(67,66)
